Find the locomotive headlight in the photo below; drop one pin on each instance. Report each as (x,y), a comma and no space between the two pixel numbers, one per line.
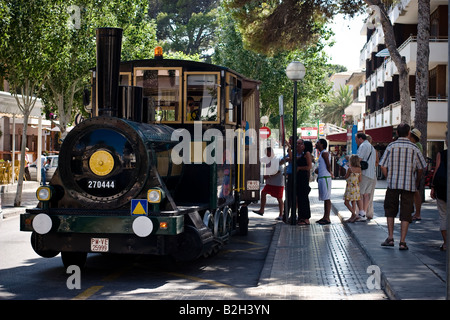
(155,195)
(44,193)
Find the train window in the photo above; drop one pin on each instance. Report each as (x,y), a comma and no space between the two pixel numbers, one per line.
(125,79)
(202,96)
(232,100)
(162,87)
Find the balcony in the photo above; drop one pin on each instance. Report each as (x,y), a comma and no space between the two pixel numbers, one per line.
(362,93)
(438,55)
(400,9)
(437,109)
(391,115)
(380,76)
(385,117)
(367,87)
(373,82)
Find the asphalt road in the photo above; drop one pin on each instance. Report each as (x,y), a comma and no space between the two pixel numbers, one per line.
(228,274)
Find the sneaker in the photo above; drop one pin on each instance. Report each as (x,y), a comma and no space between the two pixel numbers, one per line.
(361,218)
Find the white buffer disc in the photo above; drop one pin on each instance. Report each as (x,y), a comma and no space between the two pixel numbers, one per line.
(42,223)
(142,226)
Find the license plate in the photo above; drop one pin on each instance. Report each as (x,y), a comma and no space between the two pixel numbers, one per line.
(252,185)
(99,244)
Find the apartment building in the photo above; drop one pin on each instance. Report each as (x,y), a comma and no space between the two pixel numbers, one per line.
(378,86)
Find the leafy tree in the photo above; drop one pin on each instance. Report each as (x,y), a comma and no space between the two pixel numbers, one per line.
(41,56)
(75,49)
(336,68)
(271,71)
(26,57)
(185,25)
(335,107)
(269,26)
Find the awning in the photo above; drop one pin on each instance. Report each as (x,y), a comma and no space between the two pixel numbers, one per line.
(8,105)
(337,137)
(381,135)
(383,53)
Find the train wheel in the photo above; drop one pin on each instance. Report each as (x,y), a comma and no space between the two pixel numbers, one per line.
(208,220)
(227,221)
(218,223)
(190,246)
(243,221)
(74,258)
(42,253)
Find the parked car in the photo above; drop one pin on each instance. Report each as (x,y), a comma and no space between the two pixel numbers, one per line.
(51,168)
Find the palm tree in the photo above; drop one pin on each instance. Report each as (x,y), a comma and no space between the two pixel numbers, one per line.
(335,108)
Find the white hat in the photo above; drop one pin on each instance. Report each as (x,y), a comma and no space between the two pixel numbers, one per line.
(416,132)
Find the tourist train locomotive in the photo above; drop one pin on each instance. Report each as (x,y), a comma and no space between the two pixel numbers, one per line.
(136,177)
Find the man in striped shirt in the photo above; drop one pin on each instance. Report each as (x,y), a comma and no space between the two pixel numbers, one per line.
(402,164)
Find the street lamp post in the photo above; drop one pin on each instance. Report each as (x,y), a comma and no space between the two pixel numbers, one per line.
(295,71)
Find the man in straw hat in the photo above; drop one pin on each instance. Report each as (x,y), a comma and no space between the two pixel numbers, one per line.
(414,137)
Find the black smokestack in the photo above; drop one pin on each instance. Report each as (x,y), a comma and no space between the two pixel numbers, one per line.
(109,46)
(130,103)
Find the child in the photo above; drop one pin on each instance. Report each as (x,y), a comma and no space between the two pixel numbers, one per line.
(352,195)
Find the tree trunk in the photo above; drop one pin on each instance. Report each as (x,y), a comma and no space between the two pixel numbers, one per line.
(389,39)
(26,107)
(18,198)
(423,53)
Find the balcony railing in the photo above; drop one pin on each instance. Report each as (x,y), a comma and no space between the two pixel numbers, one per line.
(391,115)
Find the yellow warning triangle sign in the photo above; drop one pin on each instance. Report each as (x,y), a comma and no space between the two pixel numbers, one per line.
(139,209)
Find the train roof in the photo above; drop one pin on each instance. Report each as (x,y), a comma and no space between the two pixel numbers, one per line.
(187,65)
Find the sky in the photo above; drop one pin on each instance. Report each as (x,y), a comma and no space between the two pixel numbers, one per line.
(349,42)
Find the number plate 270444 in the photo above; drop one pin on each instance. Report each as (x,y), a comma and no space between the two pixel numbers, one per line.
(99,244)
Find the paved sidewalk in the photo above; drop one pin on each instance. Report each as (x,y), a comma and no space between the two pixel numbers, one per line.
(316,262)
(8,194)
(418,273)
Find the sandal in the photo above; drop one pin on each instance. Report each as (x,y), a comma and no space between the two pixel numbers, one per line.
(403,246)
(388,243)
(352,220)
(258,212)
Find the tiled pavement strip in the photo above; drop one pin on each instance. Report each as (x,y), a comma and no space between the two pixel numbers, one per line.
(316,262)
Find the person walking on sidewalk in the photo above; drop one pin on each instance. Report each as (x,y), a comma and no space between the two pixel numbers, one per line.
(324,177)
(274,183)
(352,195)
(402,164)
(365,153)
(439,192)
